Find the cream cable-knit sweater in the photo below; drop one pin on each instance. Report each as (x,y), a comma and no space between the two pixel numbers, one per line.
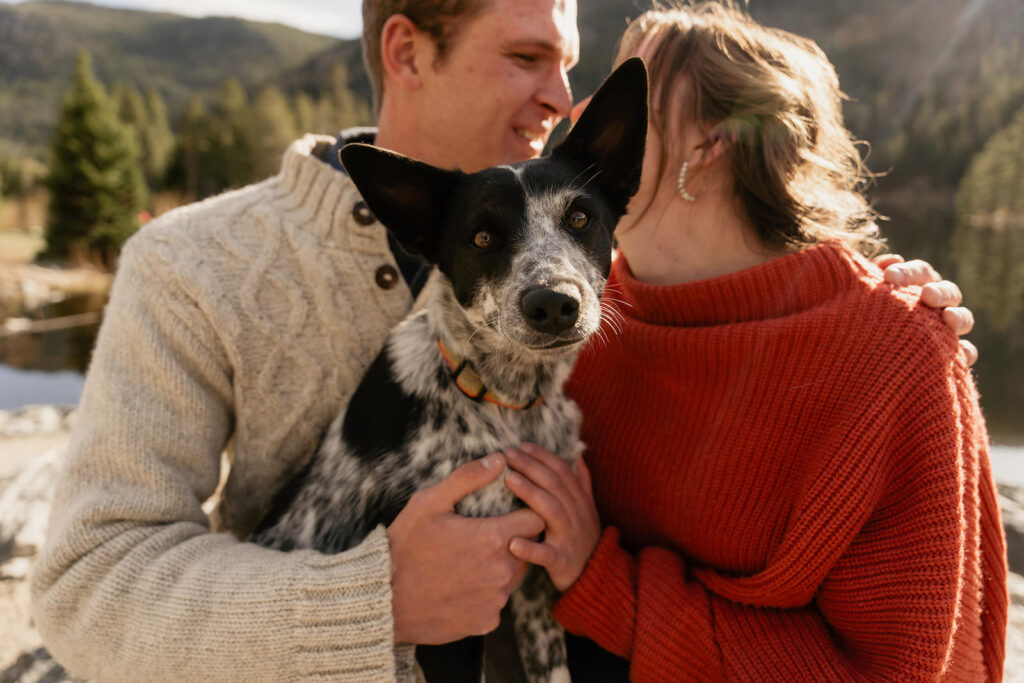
(240,322)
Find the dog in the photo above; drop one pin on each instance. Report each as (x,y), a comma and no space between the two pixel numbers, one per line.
(521,255)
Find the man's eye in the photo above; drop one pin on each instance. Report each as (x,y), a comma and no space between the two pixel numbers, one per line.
(483,239)
(525,58)
(578,220)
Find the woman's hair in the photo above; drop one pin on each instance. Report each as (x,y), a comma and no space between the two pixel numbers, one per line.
(440,19)
(774,98)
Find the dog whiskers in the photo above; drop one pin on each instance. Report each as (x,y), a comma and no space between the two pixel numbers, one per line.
(571,185)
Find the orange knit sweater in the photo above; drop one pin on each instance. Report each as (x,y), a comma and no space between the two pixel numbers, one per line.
(793,472)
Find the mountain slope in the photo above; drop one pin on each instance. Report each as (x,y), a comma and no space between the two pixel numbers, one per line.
(177,55)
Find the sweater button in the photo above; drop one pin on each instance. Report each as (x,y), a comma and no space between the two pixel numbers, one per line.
(361,212)
(387,277)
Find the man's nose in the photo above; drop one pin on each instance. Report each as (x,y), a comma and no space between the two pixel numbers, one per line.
(556,94)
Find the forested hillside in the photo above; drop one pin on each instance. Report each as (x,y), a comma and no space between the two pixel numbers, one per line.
(176,56)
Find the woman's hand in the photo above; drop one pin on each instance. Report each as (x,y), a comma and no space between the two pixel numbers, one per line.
(565,501)
(935,292)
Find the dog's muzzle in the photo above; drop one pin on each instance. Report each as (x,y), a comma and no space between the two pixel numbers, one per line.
(548,311)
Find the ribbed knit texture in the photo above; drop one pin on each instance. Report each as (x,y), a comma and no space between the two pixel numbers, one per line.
(241,322)
(793,471)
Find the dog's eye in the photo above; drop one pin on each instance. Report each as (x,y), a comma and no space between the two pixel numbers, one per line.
(483,239)
(578,219)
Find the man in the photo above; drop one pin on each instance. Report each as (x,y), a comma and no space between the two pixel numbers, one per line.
(245,322)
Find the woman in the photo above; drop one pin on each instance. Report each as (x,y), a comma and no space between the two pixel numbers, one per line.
(787,453)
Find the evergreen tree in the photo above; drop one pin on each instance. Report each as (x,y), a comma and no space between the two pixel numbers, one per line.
(157,140)
(230,151)
(147,119)
(305,114)
(188,169)
(989,252)
(270,129)
(8,174)
(5,165)
(131,108)
(349,109)
(989,243)
(96,187)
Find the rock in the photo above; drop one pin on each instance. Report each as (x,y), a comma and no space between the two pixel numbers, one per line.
(35,421)
(25,507)
(37,666)
(15,569)
(1011,503)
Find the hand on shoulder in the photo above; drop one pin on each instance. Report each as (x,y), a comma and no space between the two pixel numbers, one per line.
(935,293)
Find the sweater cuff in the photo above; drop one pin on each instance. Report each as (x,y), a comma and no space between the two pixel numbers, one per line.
(601,604)
(343,623)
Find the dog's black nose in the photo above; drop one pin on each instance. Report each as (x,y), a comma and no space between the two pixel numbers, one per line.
(549,311)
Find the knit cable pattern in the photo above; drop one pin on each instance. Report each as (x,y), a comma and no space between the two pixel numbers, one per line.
(241,322)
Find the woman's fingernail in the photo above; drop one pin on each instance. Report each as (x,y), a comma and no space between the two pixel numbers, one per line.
(489,461)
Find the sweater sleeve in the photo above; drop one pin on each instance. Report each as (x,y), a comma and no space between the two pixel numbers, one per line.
(888,595)
(131,584)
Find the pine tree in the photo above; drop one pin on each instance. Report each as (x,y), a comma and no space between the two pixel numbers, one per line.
(270,130)
(95,183)
(195,143)
(989,253)
(230,150)
(305,114)
(989,244)
(157,140)
(131,108)
(147,119)
(349,109)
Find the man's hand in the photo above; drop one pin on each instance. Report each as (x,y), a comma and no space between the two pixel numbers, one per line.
(935,293)
(451,575)
(565,499)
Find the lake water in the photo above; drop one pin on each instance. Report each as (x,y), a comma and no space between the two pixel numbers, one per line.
(48,368)
(27,387)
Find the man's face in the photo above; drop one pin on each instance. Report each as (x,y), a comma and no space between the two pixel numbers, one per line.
(503,86)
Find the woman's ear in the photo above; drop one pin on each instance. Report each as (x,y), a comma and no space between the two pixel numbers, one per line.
(402,48)
(711,150)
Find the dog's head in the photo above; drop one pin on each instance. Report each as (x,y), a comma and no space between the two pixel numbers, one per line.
(526,247)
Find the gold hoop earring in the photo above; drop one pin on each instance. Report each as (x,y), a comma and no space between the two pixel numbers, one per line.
(681,185)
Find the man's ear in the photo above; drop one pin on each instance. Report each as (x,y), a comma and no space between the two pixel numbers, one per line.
(407,196)
(610,134)
(401,51)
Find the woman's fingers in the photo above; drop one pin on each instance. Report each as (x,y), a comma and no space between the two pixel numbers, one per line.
(958,319)
(916,272)
(533,552)
(549,507)
(970,352)
(941,294)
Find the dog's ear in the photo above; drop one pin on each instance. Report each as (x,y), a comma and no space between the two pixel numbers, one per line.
(408,196)
(610,134)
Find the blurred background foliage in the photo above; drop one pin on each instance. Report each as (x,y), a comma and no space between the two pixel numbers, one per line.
(936,86)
